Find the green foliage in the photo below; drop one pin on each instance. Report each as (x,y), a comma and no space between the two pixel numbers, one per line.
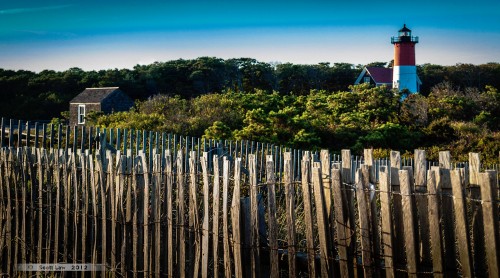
(218,131)
(390,136)
(257,127)
(300,106)
(132,120)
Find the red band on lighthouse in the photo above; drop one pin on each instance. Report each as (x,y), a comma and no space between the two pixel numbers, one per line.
(404,54)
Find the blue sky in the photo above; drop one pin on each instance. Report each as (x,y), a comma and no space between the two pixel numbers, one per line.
(91,34)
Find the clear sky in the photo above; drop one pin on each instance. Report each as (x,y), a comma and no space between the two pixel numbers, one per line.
(103,34)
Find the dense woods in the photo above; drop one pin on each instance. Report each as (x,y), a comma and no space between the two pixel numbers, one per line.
(43,95)
(303,106)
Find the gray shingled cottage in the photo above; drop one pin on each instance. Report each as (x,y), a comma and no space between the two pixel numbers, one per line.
(107,100)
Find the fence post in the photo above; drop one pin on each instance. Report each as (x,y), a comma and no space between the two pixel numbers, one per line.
(342,218)
(395,166)
(489,183)
(194,232)
(461,223)
(321,218)
(308,215)
(408,207)
(273,224)
(444,187)
(362,182)
(254,215)
(290,213)
(434,213)
(216,213)
(350,223)
(181,214)
(386,214)
(420,167)
(225,223)
(235,215)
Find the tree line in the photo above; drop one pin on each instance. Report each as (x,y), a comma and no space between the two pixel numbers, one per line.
(44,95)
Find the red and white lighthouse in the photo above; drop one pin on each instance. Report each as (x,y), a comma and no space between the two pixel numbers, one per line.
(404,74)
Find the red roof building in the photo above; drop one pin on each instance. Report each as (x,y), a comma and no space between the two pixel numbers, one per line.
(376,76)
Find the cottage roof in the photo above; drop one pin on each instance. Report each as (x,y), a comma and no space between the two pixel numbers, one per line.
(380,75)
(94,95)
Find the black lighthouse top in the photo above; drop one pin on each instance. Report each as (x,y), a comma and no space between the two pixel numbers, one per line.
(404,35)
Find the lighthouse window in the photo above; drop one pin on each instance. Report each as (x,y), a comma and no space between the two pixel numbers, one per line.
(366,79)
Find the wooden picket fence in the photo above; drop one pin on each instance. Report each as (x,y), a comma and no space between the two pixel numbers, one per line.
(191,213)
(149,203)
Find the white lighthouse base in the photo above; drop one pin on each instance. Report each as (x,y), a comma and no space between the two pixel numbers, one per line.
(405,77)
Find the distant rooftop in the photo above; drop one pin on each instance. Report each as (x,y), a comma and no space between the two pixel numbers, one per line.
(380,75)
(94,95)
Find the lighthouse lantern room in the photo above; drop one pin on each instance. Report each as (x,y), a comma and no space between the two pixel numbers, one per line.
(404,69)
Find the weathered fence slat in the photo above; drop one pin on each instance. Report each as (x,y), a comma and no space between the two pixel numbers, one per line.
(447,221)
(235,220)
(340,221)
(461,223)
(290,213)
(254,215)
(112,188)
(93,216)
(59,188)
(50,207)
(216,200)
(488,182)
(9,185)
(121,173)
(395,166)
(85,203)
(156,201)
(206,224)
(362,182)
(374,211)
(308,215)
(101,192)
(321,218)
(348,195)
(434,223)
(74,187)
(386,214)
(422,205)
(225,223)
(410,234)
(3,199)
(181,214)
(194,231)
(170,221)
(273,224)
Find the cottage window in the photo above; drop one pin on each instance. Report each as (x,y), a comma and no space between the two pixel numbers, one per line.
(366,79)
(81,114)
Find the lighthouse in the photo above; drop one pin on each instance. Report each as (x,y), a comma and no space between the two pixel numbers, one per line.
(404,74)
